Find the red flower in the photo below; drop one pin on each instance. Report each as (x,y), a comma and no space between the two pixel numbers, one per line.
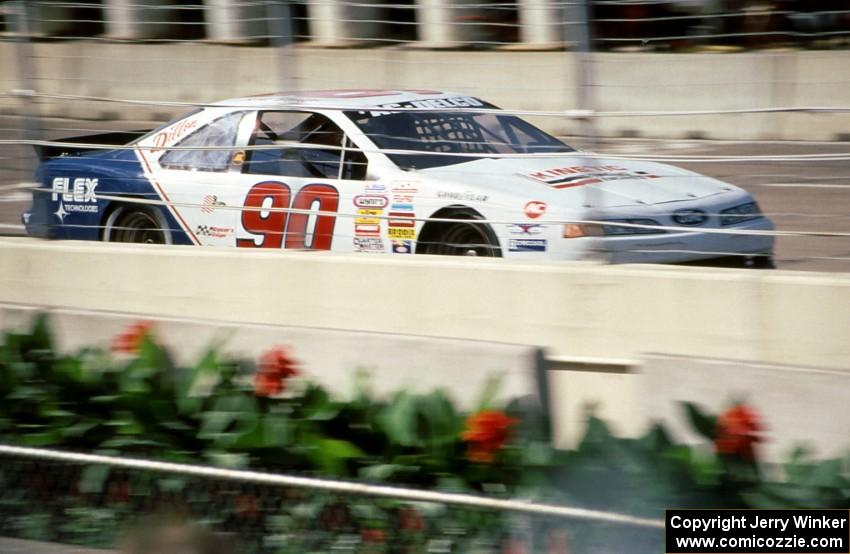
(373,535)
(276,366)
(129,341)
(738,432)
(556,542)
(513,546)
(247,506)
(119,491)
(410,520)
(486,432)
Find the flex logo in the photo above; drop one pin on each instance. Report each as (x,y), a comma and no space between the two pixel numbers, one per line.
(80,190)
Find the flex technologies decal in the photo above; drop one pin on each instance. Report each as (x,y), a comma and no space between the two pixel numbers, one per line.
(579,175)
(74,196)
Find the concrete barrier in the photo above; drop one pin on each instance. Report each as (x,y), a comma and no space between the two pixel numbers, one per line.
(515,80)
(572,309)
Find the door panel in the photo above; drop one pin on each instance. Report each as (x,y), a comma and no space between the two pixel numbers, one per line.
(302,194)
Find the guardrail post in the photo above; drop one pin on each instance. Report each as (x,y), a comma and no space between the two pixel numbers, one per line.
(434,21)
(339,23)
(281,33)
(48,18)
(540,24)
(30,123)
(438,23)
(583,46)
(235,21)
(135,19)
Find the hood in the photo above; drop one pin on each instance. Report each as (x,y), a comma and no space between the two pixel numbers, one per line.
(613,182)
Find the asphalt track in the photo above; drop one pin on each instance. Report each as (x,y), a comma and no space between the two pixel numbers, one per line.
(808,196)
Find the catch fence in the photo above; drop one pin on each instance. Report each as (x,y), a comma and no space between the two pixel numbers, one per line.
(749,91)
(105,502)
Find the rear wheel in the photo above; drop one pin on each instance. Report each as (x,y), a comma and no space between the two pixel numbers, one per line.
(136,224)
(464,238)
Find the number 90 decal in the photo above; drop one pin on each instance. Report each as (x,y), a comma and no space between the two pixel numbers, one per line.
(266,214)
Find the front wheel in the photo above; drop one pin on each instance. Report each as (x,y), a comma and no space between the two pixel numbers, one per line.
(136,224)
(460,239)
(760,262)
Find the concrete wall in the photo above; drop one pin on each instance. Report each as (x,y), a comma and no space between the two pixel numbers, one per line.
(571,309)
(515,80)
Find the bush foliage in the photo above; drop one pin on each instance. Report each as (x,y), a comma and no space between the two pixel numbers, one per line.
(135,401)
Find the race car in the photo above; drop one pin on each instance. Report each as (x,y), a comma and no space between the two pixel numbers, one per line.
(386,171)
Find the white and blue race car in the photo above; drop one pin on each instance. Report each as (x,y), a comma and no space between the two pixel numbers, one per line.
(389,171)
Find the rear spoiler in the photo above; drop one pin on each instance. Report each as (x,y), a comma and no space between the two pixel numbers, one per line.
(117,138)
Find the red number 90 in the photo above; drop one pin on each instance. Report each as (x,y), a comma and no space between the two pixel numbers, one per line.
(278,222)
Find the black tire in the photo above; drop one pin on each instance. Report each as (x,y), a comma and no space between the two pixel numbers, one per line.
(136,225)
(464,238)
(760,262)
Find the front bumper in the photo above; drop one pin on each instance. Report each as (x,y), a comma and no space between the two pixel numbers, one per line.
(693,245)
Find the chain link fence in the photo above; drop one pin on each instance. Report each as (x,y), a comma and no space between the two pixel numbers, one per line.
(140,506)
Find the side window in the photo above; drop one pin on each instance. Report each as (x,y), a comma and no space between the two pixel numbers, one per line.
(311,145)
(220,132)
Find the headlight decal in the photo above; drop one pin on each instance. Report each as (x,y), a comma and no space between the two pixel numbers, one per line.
(740,213)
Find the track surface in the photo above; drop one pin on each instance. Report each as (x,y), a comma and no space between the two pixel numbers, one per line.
(798,196)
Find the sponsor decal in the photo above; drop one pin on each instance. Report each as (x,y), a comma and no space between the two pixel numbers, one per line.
(580,175)
(534,209)
(404,197)
(371,201)
(466,196)
(81,189)
(690,217)
(367,229)
(525,229)
(406,219)
(401,233)
(401,223)
(432,103)
(278,228)
(74,196)
(209,203)
(368,244)
(527,245)
(370,216)
(367,224)
(405,187)
(402,247)
(175,132)
(213,231)
(372,188)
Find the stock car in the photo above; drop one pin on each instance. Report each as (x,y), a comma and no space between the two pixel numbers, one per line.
(389,171)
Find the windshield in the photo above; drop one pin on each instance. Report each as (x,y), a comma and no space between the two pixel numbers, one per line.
(451,133)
